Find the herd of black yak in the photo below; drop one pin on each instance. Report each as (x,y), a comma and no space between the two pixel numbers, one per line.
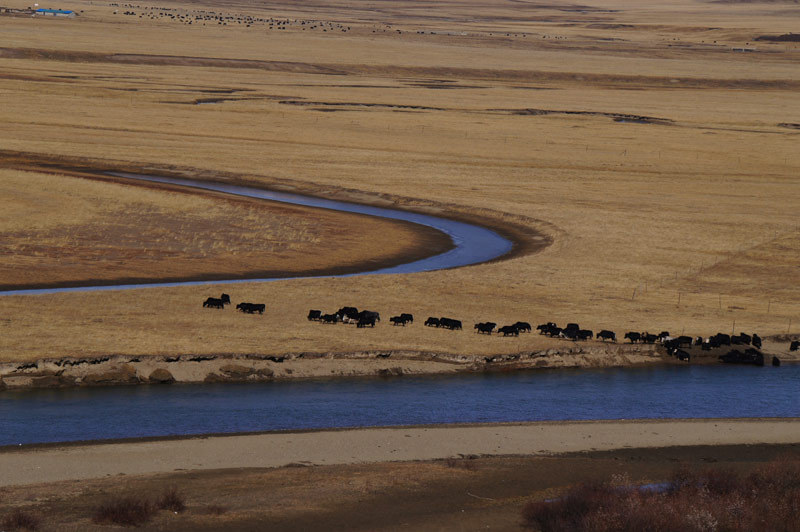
(675,346)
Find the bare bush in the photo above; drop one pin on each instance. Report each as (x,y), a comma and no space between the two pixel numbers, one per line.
(694,501)
(19,520)
(171,500)
(126,511)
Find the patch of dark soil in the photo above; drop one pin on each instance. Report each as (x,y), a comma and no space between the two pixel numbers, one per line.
(355,105)
(617,117)
(786,37)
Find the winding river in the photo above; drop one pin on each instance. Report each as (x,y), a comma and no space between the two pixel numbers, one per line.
(472,244)
(35,416)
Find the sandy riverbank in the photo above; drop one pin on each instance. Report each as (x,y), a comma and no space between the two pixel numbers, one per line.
(116,370)
(49,463)
(129,370)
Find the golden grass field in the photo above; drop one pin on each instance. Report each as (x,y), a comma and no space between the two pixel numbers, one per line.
(662,164)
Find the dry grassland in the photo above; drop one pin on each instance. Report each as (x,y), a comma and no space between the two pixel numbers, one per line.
(62,231)
(663,163)
(456,493)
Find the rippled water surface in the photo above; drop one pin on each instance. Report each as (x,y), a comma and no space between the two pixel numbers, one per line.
(663,392)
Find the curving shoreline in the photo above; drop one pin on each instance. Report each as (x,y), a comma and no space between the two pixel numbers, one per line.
(451,236)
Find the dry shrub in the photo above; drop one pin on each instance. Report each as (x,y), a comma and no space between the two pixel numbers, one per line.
(171,500)
(19,520)
(704,500)
(126,511)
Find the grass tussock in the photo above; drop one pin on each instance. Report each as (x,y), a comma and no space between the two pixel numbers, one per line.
(171,500)
(136,510)
(693,500)
(19,520)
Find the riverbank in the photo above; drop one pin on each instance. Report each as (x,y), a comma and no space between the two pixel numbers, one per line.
(128,370)
(53,463)
(114,370)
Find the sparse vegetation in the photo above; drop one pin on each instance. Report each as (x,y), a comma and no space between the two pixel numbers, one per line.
(130,510)
(19,519)
(690,225)
(693,500)
(171,500)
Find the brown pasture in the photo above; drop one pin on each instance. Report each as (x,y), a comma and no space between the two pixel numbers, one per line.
(662,164)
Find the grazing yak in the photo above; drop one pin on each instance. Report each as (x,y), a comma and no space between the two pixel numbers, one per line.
(399,320)
(545,328)
(607,335)
(449,323)
(366,321)
(647,338)
(314,315)
(251,308)
(634,337)
(226,299)
(585,334)
(508,330)
(406,316)
(523,326)
(329,318)
(794,346)
(213,302)
(485,328)
(432,322)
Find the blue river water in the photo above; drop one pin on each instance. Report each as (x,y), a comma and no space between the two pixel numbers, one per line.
(71,414)
(472,244)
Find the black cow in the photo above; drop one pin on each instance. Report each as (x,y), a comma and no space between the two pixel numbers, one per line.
(508,330)
(314,315)
(683,355)
(485,328)
(226,299)
(213,302)
(607,335)
(585,334)
(663,335)
(572,327)
(523,326)
(634,337)
(408,317)
(794,346)
(398,320)
(431,322)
